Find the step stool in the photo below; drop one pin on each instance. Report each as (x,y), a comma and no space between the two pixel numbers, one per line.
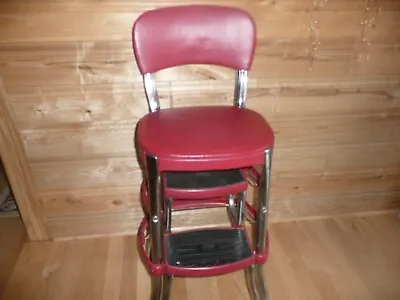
(204,156)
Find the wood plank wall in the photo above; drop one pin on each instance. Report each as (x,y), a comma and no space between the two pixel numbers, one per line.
(326,75)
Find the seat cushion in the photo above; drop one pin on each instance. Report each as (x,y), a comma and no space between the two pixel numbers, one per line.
(204,138)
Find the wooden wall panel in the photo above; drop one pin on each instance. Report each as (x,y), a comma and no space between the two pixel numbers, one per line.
(98,141)
(75,107)
(293,162)
(78,224)
(335,184)
(18,173)
(330,131)
(97,121)
(104,62)
(326,75)
(377,59)
(385,26)
(60,63)
(291,188)
(109,199)
(88,173)
(355,158)
(86,26)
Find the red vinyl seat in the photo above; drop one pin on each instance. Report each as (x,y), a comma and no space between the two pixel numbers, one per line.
(205,138)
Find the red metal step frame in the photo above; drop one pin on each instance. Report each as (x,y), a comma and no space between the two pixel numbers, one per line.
(162,269)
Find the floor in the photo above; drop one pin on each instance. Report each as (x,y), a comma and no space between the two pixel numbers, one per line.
(344,258)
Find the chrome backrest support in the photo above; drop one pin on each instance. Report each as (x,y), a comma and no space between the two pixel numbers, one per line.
(150,89)
(240,95)
(153,102)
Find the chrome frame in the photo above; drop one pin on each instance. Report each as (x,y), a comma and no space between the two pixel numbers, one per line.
(236,208)
(239,98)
(231,208)
(161,285)
(249,217)
(240,94)
(155,196)
(240,207)
(168,214)
(156,287)
(151,92)
(167,283)
(255,282)
(263,203)
(255,273)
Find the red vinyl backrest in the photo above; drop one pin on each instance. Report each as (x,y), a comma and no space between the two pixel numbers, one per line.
(194,34)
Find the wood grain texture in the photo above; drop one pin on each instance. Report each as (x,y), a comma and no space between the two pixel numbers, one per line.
(288,162)
(341,258)
(18,172)
(62,63)
(121,218)
(12,237)
(326,75)
(90,212)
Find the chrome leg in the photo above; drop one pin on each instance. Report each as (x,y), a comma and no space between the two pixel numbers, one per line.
(255,282)
(168,215)
(167,279)
(148,243)
(240,207)
(254,274)
(161,287)
(156,287)
(156,225)
(167,282)
(261,284)
(251,282)
(231,208)
(236,209)
(263,203)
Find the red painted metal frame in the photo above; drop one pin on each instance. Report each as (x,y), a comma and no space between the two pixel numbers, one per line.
(185,204)
(197,199)
(162,269)
(253,174)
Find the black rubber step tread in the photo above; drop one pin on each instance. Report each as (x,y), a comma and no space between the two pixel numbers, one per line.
(203,180)
(207,248)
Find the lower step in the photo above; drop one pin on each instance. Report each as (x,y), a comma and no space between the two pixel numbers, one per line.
(207,248)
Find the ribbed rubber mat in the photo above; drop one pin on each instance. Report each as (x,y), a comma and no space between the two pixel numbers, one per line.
(207,248)
(203,180)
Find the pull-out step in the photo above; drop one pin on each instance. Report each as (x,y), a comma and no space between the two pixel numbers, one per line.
(207,248)
(203,180)
(202,252)
(203,184)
